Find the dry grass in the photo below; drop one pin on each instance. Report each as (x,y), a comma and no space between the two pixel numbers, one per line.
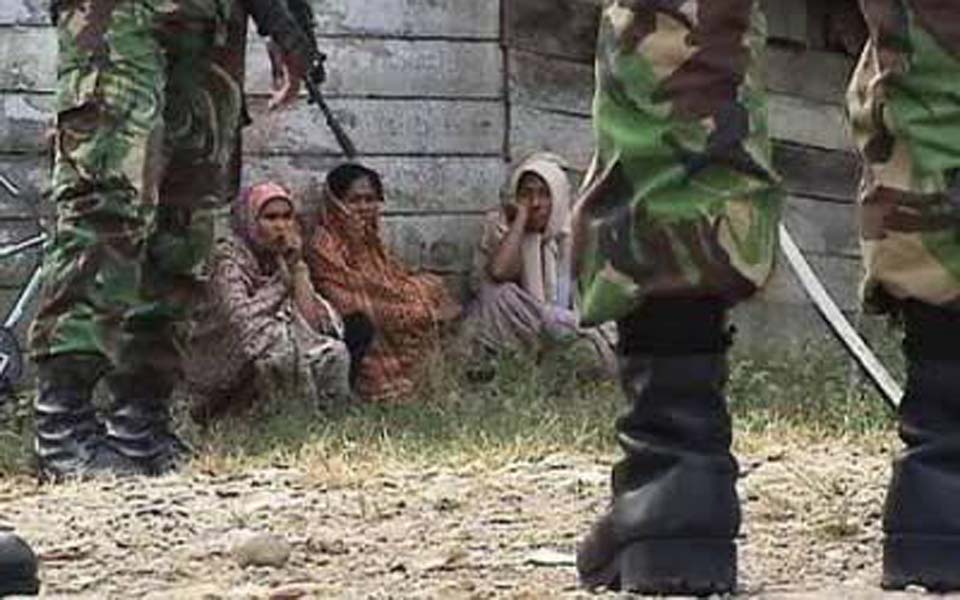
(524,412)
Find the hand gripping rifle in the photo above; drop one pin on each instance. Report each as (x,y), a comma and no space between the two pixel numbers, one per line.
(316,75)
(290,25)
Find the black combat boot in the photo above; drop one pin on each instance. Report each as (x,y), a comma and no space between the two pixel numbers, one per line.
(18,567)
(922,512)
(139,426)
(69,437)
(671,526)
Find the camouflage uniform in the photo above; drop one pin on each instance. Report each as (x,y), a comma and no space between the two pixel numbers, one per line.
(149,109)
(678,222)
(904,105)
(682,199)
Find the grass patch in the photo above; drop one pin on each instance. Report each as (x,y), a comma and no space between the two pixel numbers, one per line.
(525,412)
(16,439)
(817,389)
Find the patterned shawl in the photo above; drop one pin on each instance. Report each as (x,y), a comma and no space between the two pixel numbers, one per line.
(247,305)
(351,267)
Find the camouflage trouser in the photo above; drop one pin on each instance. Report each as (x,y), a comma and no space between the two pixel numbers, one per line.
(682,200)
(904,105)
(149,106)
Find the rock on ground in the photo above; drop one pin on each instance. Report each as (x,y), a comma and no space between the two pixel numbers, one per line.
(811,529)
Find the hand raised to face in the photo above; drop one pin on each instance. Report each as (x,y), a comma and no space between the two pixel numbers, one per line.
(291,244)
(534,194)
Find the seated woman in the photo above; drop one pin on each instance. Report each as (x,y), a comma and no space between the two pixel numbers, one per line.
(261,334)
(351,267)
(522,274)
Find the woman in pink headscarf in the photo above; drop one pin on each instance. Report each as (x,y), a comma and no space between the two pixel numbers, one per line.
(263,335)
(522,274)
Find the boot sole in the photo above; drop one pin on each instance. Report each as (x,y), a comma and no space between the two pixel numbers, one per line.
(46,475)
(688,567)
(20,587)
(932,562)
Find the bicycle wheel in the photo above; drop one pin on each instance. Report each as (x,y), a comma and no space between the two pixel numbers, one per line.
(11,360)
(21,238)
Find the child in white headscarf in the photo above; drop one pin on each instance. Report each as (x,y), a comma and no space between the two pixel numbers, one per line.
(522,274)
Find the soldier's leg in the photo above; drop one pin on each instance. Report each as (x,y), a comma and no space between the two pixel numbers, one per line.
(110,97)
(204,108)
(678,223)
(905,111)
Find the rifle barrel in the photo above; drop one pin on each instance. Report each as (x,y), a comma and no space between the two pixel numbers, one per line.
(346,144)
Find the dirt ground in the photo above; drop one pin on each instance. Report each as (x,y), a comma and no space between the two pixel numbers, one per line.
(811,528)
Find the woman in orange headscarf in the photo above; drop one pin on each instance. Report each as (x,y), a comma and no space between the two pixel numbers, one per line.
(351,267)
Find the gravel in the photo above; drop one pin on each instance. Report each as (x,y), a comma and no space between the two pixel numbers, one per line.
(811,529)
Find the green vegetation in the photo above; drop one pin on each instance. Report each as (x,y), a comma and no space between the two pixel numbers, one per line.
(523,411)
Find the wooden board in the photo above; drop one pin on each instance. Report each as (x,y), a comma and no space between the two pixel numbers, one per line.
(29,173)
(810,123)
(8,298)
(568,28)
(826,174)
(419,127)
(431,184)
(543,82)
(438,243)
(24,121)
(391,67)
(425,127)
(569,136)
(841,277)
(442,245)
(356,66)
(409,18)
(447,183)
(815,75)
(413,184)
(561,28)
(16,269)
(378,127)
(445,68)
(787,21)
(572,135)
(435,243)
(24,12)
(372,66)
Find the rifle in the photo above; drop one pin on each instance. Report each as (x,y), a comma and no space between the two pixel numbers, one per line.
(316,74)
